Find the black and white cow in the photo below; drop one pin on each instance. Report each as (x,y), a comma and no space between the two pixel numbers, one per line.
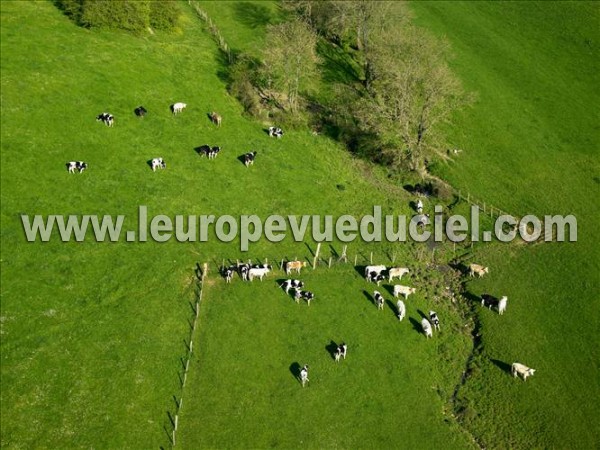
(213,152)
(79,166)
(107,118)
(340,352)
(249,158)
(291,284)
(140,111)
(275,132)
(243,270)
(158,163)
(297,295)
(433,317)
(304,375)
(228,273)
(375,277)
(308,296)
(379,301)
(489,301)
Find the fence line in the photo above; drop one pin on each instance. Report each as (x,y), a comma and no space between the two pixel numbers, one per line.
(214,31)
(200,276)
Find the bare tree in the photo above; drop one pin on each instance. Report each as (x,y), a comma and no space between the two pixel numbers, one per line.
(290,60)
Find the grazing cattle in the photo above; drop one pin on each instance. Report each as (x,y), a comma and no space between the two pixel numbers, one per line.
(291,284)
(249,158)
(158,163)
(176,108)
(275,132)
(401,307)
(304,375)
(379,301)
(256,272)
(243,270)
(502,305)
(140,111)
(426,327)
(216,118)
(434,320)
(297,295)
(340,352)
(476,269)
(213,152)
(80,166)
(397,272)
(522,370)
(228,274)
(107,118)
(376,269)
(308,296)
(404,290)
(294,265)
(489,301)
(419,206)
(203,150)
(375,277)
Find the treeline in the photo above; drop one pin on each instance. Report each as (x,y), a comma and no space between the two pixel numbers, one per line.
(395,93)
(131,15)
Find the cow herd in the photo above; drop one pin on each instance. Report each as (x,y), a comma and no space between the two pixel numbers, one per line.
(373,274)
(211,152)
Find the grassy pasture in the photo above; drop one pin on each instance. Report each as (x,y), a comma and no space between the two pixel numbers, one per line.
(92,334)
(531,145)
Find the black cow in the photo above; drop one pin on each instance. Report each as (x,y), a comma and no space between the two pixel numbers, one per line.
(140,111)
(489,300)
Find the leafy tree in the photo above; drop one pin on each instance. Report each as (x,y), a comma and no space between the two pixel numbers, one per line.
(413,93)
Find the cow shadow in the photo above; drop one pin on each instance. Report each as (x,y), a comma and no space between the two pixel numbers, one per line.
(149,163)
(505,367)
(295,370)
(416,324)
(392,307)
(471,297)
(422,314)
(369,297)
(389,288)
(242,159)
(331,349)
(360,270)
(266,130)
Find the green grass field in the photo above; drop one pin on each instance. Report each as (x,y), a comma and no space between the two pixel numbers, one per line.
(93,333)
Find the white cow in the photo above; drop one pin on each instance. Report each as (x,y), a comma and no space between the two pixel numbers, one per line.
(404,290)
(178,107)
(258,272)
(397,272)
(401,307)
(476,269)
(426,327)
(502,305)
(376,269)
(304,375)
(522,370)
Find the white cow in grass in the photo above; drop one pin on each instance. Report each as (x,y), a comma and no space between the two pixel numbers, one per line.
(178,107)
(522,370)
(476,269)
(401,307)
(502,305)
(158,163)
(397,272)
(404,290)
(426,327)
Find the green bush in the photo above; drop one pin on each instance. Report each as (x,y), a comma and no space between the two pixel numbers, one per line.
(130,15)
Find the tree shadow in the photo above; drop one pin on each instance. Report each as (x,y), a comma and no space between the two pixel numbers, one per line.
(336,65)
(505,367)
(331,349)
(295,370)
(252,15)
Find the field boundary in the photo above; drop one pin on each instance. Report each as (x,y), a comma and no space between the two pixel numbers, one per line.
(200,274)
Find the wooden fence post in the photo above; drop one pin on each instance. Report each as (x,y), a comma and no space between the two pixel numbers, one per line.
(355,259)
(330,262)
(316,255)
(371,258)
